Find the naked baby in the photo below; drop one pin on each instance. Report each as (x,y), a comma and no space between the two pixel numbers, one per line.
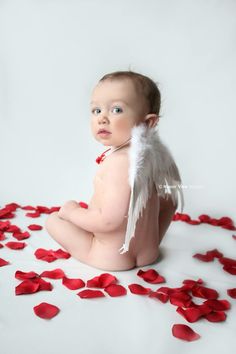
(129,206)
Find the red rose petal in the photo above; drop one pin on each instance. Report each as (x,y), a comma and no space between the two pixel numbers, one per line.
(21,235)
(232,292)
(13,228)
(151,276)
(6,213)
(46,310)
(216,316)
(45,255)
(43,285)
(83,205)
(204,257)
(53,274)
(2,236)
(184,332)
(215,253)
(62,254)
(115,290)
(28,207)
(229,269)
(16,245)
(36,214)
(102,281)
(26,287)
(25,275)
(4,225)
(180,299)
(191,314)
(218,305)
(34,227)
(73,284)
(139,289)
(89,294)
(228,261)
(3,262)
(160,296)
(43,209)
(205,293)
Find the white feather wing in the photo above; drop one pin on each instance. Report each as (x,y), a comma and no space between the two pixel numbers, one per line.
(151,164)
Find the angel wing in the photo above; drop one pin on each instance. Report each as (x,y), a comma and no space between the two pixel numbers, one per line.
(151,164)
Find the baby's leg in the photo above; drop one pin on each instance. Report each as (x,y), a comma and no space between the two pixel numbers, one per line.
(71,237)
(167,211)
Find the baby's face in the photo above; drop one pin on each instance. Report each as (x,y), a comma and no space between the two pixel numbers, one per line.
(116,107)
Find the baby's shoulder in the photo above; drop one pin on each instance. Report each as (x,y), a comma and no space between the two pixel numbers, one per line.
(116,164)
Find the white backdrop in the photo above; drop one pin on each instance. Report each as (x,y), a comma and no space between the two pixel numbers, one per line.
(54,52)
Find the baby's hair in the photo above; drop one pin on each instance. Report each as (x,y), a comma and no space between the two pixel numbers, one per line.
(146,86)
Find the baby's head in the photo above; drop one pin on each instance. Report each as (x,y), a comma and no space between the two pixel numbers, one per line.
(121,100)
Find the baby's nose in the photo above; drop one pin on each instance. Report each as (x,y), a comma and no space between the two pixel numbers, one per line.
(103,117)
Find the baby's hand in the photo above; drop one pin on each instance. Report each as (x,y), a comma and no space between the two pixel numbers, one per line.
(66,209)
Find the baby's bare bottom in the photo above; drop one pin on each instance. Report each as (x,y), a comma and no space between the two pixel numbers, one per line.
(80,243)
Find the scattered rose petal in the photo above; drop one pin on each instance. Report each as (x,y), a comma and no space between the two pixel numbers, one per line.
(43,209)
(43,285)
(184,332)
(2,236)
(205,293)
(53,274)
(45,255)
(216,316)
(191,314)
(25,275)
(1,245)
(15,245)
(36,214)
(3,262)
(73,284)
(115,290)
(180,299)
(160,296)
(139,289)
(4,225)
(28,207)
(83,205)
(204,257)
(89,294)
(151,276)
(13,228)
(46,310)
(34,227)
(6,213)
(229,269)
(218,305)
(21,235)
(62,254)
(228,261)
(101,281)
(26,287)
(232,292)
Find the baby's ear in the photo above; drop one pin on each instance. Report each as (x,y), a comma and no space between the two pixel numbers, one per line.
(151,119)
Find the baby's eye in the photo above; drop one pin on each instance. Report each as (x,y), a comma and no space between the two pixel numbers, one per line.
(117,110)
(96,110)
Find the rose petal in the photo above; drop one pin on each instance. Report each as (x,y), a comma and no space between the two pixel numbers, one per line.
(16,245)
(26,287)
(83,205)
(204,257)
(13,228)
(62,254)
(180,299)
(151,276)
(162,297)
(2,236)
(4,225)
(229,269)
(3,262)
(232,292)
(28,207)
(45,255)
(205,293)
(43,285)
(191,314)
(25,275)
(184,332)
(46,310)
(36,214)
(73,284)
(43,209)
(218,305)
(216,316)
(115,290)
(89,294)
(139,289)
(21,235)
(101,281)
(6,213)
(228,261)
(53,274)
(35,227)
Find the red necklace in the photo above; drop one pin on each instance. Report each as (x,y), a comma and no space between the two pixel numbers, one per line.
(100,158)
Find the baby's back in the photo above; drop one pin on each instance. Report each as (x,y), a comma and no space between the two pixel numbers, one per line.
(143,247)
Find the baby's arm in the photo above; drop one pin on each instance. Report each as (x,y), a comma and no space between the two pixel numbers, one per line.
(114,203)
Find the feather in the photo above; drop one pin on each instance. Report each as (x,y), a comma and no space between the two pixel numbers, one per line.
(151,164)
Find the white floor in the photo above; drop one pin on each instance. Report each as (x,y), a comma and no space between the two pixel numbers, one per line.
(128,324)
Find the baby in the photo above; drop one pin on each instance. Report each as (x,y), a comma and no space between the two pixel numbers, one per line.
(120,101)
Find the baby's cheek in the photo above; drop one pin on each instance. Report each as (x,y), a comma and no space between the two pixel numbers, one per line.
(123,125)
